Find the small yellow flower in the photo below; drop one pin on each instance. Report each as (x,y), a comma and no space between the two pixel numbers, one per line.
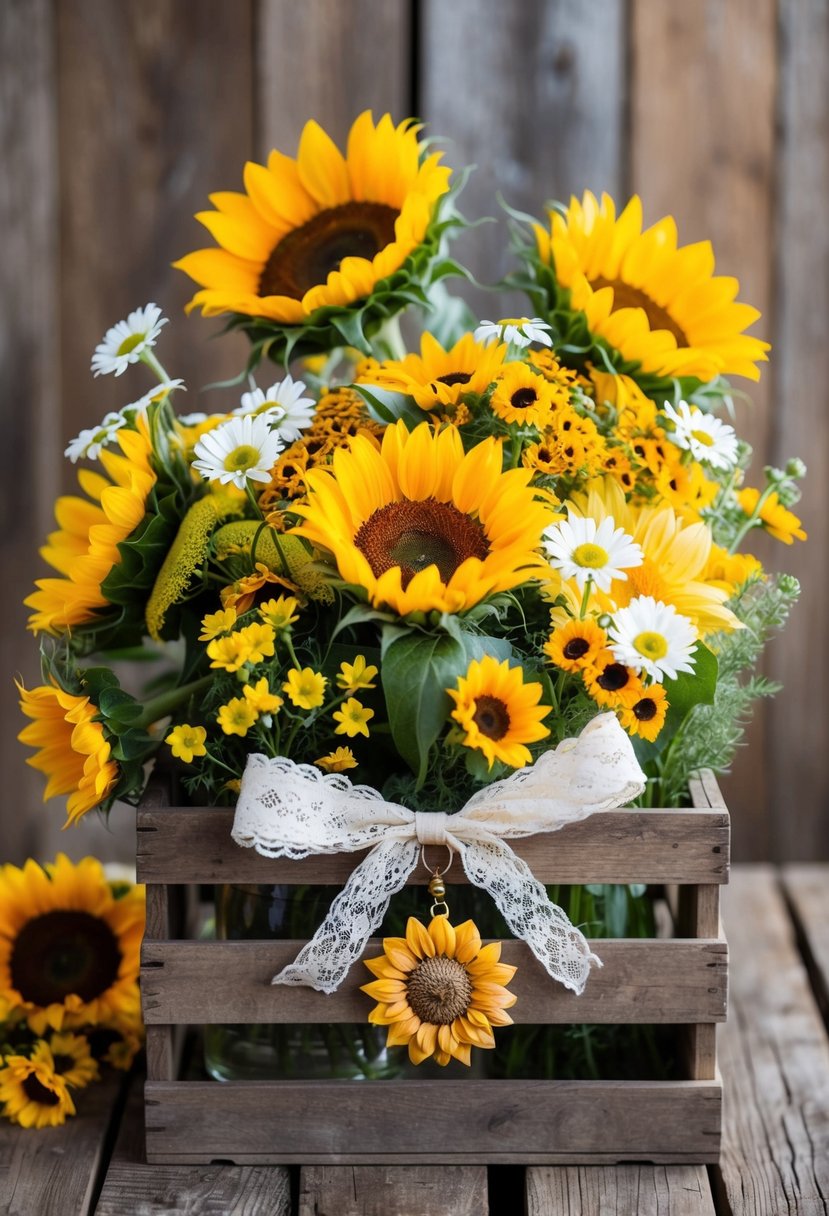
(72,1059)
(358,674)
(217,623)
(259,640)
(779,522)
(306,688)
(280,613)
(261,698)
(576,645)
(231,652)
(337,761)
(234,785)
(353,718)
(33,1094)
(237,717)
(185,742)
(646,716)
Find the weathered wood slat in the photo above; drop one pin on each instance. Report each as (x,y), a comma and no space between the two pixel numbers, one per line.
(774,1059)
(610,846)
(380,1190)
(132,1186)
(642,980)
(54,1171)
(454,1122)
(646,1190)
(807,889)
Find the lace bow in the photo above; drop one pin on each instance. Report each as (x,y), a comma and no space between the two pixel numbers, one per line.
(293,810)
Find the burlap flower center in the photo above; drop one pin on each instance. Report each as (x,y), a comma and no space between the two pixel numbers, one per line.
(439,990)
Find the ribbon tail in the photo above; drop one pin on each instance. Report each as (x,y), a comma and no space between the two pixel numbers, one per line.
(523,902)
(358,910)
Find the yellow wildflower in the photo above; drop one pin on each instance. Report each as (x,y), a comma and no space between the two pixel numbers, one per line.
(217,623)
(231,652)
(306,688)
(237,717)
(185,742)
(259,639)
(776,519)
(280,613)
(261,698)
(353,718)
(358,674)
(337,761)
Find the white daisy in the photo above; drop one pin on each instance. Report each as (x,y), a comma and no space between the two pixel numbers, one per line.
(520,331)
(192,419)
(238,451)
(127,341)
(89,443)
(154,394)
(581,550)
(288,412)
(707,438)
(653,638)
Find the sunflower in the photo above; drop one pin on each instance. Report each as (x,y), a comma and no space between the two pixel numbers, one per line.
(440,991)
(68,948)
(85,549)
(35,1095)
(323,231)
(646,716)
(438,378)
(656,303)
(74,752)
(498,712)
(421,526)
(576,645)
(73,1060)
(117,1041)
(522,396)
(610,683)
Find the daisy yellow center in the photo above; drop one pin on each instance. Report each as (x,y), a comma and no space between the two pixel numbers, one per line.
(645,710)
(625,295)
(523,398)
(415,535)
(703,437)
(64,952)
(38,1093)
(491,717)
(614,677)
(305,257)
(591,556)
(129,344)
(439,990)
(651,645)
(243,457)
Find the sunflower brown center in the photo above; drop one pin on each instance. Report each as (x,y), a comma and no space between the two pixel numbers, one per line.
(576,648)
(645,710)
(306,256)
(415,535)
(455,378)
(100,1040)
(614,677)
(36,1092)
(523,398)
(491,717)
(625,295)
(64,952)
(63,1064)
(439,990)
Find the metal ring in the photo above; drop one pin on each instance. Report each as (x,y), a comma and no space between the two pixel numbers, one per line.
(437,872)
(441,903)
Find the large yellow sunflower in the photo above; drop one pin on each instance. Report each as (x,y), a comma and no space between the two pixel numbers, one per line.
(655,302)
(422,526)
(320,230)
(497,712)
(74,752)
(68,948)
(440,991)
(85,548)
(438,378)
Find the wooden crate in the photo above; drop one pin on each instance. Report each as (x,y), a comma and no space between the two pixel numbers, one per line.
(681,980)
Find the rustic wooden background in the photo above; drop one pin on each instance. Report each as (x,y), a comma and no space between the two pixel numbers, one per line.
(116,120)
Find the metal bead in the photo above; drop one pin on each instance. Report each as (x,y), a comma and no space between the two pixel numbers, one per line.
(437,887)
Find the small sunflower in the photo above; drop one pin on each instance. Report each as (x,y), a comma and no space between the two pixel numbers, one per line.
(498,712)
(440,991)
(576,645)
(117,1041)
(437,379)
(656,303)
(423,526)
(610,683)
(35,1095)
(776,519)
(328,245)
(338,761)
(72,1059)
(74,752)
(522,396)
(646,716)
(68,948)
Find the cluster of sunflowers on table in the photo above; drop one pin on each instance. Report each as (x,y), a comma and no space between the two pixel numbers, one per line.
(70,936)
(419,567)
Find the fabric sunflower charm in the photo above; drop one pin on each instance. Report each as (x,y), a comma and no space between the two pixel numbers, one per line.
(440,990)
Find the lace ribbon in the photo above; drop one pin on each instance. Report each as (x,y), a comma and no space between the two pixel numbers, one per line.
(293,810)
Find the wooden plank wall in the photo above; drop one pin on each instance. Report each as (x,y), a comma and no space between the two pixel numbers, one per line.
(118,119)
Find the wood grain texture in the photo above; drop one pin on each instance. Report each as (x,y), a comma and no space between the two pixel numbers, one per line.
(54,1171)
(702,148)
(132,1186)
(464,1122)
(798,755)
(774,1059)
(365,1190)
(646,1190)
(532,94)
(807,891)
(610,846)
(641,980)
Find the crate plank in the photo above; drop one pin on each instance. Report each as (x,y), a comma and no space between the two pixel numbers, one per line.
(381,1190)
(54,1171)
(774,1058)
(647,1190)
(132,1186)
(611,846)
(807,890)
(642,980)
(447,1121)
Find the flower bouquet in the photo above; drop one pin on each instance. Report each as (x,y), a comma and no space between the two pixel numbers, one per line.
(411,572)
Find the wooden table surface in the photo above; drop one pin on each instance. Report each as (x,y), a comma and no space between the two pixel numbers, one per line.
(775,1160)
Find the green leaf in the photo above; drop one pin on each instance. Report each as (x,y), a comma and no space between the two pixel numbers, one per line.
(417,670)
(132,744)
(686,691)
(118,705)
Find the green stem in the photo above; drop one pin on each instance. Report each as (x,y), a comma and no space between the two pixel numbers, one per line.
(388,341)
(588,587)
(162,705)
(148,358)
(752,519)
